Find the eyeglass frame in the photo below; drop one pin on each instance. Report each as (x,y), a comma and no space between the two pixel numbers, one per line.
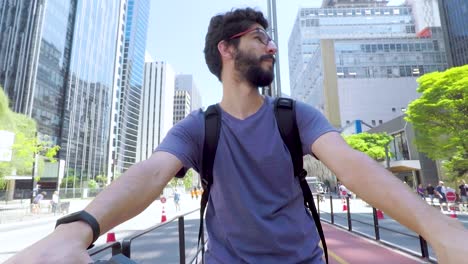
(258,29)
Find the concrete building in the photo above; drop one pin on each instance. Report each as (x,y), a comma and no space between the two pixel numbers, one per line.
(406,162)
(182,105)
(186,82)
(360,59)
(156,109)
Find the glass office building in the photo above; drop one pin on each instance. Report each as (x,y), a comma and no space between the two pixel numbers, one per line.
(20,34)
(129,100)
(52,68)
(87,102)
(454,16)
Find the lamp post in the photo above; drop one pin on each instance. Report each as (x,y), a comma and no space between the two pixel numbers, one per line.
(275,87)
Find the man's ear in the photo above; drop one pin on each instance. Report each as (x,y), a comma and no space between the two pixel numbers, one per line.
(225,50)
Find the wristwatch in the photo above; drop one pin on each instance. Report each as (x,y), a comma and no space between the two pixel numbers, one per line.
(85,217)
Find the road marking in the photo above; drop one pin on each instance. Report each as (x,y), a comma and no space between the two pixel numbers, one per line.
(337,258)
(334,256)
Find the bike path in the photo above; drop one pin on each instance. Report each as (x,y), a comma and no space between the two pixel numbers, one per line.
(347,248)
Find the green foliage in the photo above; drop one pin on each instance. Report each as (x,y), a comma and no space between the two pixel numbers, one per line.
(92,184)
(26,145)
(5,112)
(440,120)
(68,181)
(186,180)
(371,144)
(101,180)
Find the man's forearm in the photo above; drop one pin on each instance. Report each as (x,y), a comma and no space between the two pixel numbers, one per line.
(129,195)
(383,190)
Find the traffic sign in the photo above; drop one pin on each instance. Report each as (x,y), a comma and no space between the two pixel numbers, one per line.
(451,196)
(163,199)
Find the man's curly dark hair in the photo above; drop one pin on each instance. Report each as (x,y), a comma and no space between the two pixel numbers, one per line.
(222,27)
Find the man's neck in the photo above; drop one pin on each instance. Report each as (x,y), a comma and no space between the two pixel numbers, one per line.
(240,99)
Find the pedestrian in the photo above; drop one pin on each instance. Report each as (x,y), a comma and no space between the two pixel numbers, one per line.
(255,210)
(55,202)
(36,204)
(421,192)
(430,192)
(463,187)
(177,200)
(440,191)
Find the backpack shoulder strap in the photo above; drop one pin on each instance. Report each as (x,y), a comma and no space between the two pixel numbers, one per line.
(212,130)
(285,113)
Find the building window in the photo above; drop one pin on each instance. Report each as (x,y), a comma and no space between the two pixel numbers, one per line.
(373,122)
(380,122)
(393,109)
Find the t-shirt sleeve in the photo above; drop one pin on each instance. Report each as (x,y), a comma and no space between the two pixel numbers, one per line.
(184,140)
(311,124)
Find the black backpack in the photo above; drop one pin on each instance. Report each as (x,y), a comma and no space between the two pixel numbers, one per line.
(286,118)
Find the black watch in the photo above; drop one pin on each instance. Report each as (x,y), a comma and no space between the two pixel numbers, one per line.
(85,217)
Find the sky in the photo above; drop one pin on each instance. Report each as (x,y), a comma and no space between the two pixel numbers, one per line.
(177,29)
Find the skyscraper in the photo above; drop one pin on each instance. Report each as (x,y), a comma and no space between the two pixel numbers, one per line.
(89,86)
(57,65)
(454,14)
(182,105)
(156,107)
(129,99)
(359,60)
(185,82)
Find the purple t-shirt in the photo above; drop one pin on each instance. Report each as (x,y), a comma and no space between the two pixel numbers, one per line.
(255,212)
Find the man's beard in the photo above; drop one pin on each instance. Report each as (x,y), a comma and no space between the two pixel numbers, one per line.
(251,69)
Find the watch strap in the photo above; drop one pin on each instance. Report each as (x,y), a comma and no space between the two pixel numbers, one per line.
(85,217)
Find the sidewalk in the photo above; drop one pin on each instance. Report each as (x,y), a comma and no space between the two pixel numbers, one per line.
(17,215)
(348,248)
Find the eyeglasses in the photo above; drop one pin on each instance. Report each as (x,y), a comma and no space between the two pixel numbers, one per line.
(262,36)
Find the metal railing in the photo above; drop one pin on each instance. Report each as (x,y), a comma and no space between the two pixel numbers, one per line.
(125,246)
(424,252)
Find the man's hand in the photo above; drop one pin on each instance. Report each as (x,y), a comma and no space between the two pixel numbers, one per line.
(67,244)
(451,243)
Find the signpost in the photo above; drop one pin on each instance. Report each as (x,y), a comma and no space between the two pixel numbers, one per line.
(451,196)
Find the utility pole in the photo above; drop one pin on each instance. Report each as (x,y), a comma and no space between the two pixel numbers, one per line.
(275,87)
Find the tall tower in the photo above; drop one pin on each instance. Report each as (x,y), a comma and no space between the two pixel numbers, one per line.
(156,107)
(129,98)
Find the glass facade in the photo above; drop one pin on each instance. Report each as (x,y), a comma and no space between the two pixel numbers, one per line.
(20,32)
(87,104)
(131,85)
(54,59)
(454,15)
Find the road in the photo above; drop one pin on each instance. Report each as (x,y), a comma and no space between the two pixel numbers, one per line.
(17,236)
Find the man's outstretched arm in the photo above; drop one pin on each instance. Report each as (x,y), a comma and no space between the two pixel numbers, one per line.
(374,184)
(125,198)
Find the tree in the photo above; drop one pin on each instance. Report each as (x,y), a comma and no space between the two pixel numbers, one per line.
(187,180)
(372,144)
(26,144)
(440,120)
(101,180)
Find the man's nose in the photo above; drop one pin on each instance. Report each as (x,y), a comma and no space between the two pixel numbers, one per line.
(272,48)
